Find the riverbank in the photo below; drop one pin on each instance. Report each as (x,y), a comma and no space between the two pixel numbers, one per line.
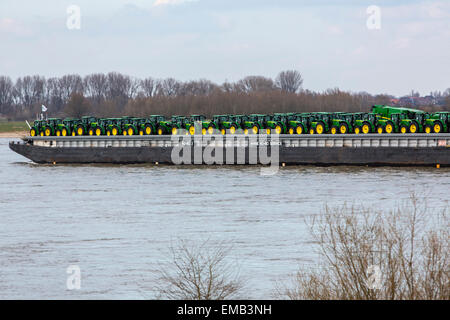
(13,134)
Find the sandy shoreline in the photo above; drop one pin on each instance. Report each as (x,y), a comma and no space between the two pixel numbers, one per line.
(14,134)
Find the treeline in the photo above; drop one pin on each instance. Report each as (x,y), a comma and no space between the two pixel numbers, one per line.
(115,94)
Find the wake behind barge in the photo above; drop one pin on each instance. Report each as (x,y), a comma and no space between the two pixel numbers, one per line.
(370,149)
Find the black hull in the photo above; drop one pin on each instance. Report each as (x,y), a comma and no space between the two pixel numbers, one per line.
(375,156)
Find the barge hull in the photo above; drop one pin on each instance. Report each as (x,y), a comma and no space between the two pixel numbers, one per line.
(376,156)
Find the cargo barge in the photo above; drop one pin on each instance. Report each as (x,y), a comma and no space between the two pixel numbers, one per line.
(370,149)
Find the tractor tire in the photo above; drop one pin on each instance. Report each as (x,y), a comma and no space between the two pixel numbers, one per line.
(115,131)
(233,129)
(223,131)
(148,130)
(33,132)
(380,130)
(268,131)
(357,130)
(404,129)
(91,132)
(291,131)
(427,129)
(211,130)
(311,131)
(437,128)
(334,130)
(278,129)
(414,127)
(365,129)
(130,131)
(80,131)
(98,132)
(255,129)
(204,131)
(343,128)
(174,131)
(58,133)
(108,133)
(389,127)
(141,132)
(320,129)
(64,132)
(48,132)
(192,130)
(160,131)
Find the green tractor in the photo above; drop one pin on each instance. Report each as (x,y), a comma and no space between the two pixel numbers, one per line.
(366,123)
(151,126)
(179,123)
(37,128)
(82,127)
(255,123)
(321,122)
(298,123)
(135,126)
(166,126)
(50,127)
(438,122)
(344,123)
(197,119)
(277,124)
(219,123)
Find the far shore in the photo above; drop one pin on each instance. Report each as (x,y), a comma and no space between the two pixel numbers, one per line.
(14,134)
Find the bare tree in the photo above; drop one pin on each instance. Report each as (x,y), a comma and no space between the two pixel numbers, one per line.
(289,81)
(77,106)
(148,87)
(95,87)
(254,84)
(6,93)
(199,272)
(366,255)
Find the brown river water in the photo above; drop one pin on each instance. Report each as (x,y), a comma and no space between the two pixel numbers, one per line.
(117,222)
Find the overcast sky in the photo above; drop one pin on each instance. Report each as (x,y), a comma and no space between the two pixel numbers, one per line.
(225,40)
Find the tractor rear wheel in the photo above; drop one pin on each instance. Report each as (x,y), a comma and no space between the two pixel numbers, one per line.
(365,128)
(389,128)
(211,130)
(233,129)
(413,128)
(437,128)
(64,132)
(268,131)
(204,131)
(130,131)
(48,132)
(33,132)
(114,131)
(343,128)
(299,130)
(98,132)
(223,132)
(192,130)
(80,130)
(255,130)
(320,128)
(278,129)
(148,130)
(174,131)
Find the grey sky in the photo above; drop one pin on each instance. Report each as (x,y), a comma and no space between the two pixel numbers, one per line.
(326,40)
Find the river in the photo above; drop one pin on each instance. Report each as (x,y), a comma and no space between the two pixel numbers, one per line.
(116,223)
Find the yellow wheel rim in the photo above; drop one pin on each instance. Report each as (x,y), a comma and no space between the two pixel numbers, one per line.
(203,131)
(114,132)
(389,128)
(268,131)
(428,130)
(223,131)
(80,131)
(32,132)
(437,128)
(42,134)
(98,132)
(255,130)
(291,131)
(73,134)
(58,133)
(356,130)
(64,132)
(192,130)
(380,130)
(299,130)
(311,131)
(343,129)
(130,131)
(47,132)
(148,131)
(210,130)
(403,130)
(91,132)
(141,133)
(333,131)
(174,131)
(160,132)
(124,132)
(319,129)
(278,129)
(232,130)
(365,129)
(246,131)
(108,133)
(413,128)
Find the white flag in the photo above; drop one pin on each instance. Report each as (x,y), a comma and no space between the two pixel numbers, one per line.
(44,109)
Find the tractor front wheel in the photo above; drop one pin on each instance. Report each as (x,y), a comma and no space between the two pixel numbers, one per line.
(33,132)
(380,129)
(427,129)
(437,128)
(334,130)
(357,130)
(64,132)
(404,129)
